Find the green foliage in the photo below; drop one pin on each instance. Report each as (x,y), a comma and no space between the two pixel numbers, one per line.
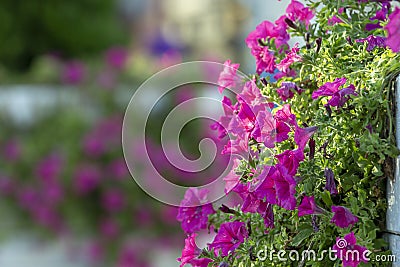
(73,28)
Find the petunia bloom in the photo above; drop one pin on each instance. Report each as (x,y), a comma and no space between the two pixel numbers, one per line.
(229,237)
(393,29)
(349,252)
(291,57)
(302,135)
(343,217)
(296,11)
(337,97)
(373,41)
(308,207)
(190,251)
(227,78)
(291,160)
(286,91)
(194,210)
(330,184)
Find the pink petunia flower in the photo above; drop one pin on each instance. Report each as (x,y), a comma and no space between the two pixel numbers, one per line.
(349,252)
(194,210)
(296,11)
(227,78)
(229,237)
(393,29)
(291,57)
(343,217)
(190,251)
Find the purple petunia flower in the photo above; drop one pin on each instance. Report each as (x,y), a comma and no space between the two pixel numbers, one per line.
(373,41)
(338,97)
(227,78)
(330,182)
(393,29)
(343,217)
(308,207)
(286,91)
(229,237)
(381,15)
(86,179)
(349,252)
(194,210)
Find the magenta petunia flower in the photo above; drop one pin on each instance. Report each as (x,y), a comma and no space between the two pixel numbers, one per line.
(291,57)
(223,123)
(269,130)
(285,114)
(276,186)
(296,11)
(229,237)
(291,159)
(302,135)
(308,207)
(393,29)
(349,252)
(265,30)
(343,217)
(251,95)
(190,251)
(265,59)
(330,184)
(194,210)
(285,186)
(266,187)
(267,212)
(329,88)
(227,78)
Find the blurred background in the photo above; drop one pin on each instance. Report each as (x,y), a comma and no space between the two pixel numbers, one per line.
(67,72)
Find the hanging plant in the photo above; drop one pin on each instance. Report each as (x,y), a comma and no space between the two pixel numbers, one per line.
(318,135)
